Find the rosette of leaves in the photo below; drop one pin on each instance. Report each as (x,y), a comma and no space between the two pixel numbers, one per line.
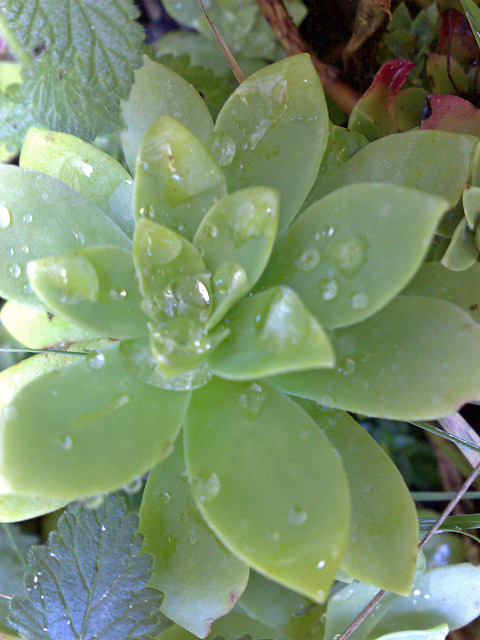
(193,296)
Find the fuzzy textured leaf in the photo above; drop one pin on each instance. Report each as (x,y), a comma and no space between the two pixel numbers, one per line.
(89,580)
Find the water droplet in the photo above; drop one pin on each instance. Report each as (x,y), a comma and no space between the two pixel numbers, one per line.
(327,288)
(328,231)
(251,400)
(297,516)
(223,149)
(95,361)
(65,443)
(321,564)
(86,168)
(4,217)
(210,231)
(165,497)
(117,294)
(416,592)
(349,254)
(273,535)
(192,537)
(118,401)
(206,486)
(79,237)
(14,270)
(321,594)
(183,474)
(359,300)
(27,218)
(427,596)
(10,252)
(134,486)
(309,259)
(25,249)
(95,501)
(346,367)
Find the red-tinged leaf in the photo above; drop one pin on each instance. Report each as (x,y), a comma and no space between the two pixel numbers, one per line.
(456,38)
(453,114)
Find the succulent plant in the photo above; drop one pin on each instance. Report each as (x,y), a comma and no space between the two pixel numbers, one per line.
(242,286)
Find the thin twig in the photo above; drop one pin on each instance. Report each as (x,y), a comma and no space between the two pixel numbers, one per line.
(447,511)
(282,25)
(4,595)
(457,426)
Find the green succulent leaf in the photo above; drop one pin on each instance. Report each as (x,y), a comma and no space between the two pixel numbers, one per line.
(382,546)
(201,580)
(230,627)
(79,44)
(236,237)
(271,332)
(39,328)
(14,546)
(96,288)
(40,217)
(460,288)
(342,144)
(57,428)
(177,178)
(94,174)
(288,517)
(379,369)
(273,130)
(159,91)
(473,15)
(471,205)
(15,508)
(171,272)
(437,633)
(89,579)
(342,254)
(435,162)
(462,252)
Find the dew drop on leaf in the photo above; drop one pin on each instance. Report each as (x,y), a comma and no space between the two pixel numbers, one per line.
(350,254)
(25,249)
(4,217)
(327,288)
(95,361)
(297,516)
(10,252)
(359,300)
(27,218)
(165,497)
(65,443)
(346,367)
(14,270)
(206,486)
(321,564)
(192,537)
(79,237)
(223,149)
(308,260)
(251,400)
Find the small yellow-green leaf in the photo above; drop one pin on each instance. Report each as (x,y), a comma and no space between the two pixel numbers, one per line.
(271,332)
(417,359)
(461,252)
(15,508)
(200,579)
(289,515)
(177,178)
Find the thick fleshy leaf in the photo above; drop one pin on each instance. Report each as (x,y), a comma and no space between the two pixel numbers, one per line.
(461,252)
(275,126)
(342,255)
(200,579)
(236,238)
(288,517)
(417,359)
(230,627)
(431,161)
(471,206)
(158,91)
(437,633)
(177,178)
(171,273)
(39,329)
(460,288)
(94,174)
(342,144)
(96,288)
(15,508)
(40,217)
(452,113)
(271,332)
(382,546)
(58,427)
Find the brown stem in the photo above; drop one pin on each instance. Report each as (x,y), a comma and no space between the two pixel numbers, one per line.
(282,25)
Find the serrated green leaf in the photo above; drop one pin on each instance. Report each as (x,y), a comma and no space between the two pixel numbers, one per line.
(95,46)
(275,129)
(271,332)
(89,579)
(96,288)
(341,255)
(461,252)
(39,328)
(382,546)
(435,162)
(94,174)
(177,178)
(40,217)
(54,439)
(461,288)
(14,546)
(158,91)
(379,369)
(201,580)
(290,512)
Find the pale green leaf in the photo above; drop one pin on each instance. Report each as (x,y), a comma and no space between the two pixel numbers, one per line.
(94,174)
(158,91)
(57,428)
(15,508)
(273,130)
(40,217)
(417,359)
(461,252)
(288,517)
(231,627)
(351,252)
(437,633)
(201,580)
(89,579)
